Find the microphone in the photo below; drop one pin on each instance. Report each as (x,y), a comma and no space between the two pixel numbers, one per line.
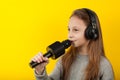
(54,51)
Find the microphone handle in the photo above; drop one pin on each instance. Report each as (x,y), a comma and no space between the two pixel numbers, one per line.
(33,64)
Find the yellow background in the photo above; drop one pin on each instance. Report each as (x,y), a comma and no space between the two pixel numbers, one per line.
(29,26)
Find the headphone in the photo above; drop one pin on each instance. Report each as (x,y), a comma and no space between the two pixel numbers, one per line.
(91,31)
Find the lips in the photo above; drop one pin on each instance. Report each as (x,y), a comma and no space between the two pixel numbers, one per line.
(72,42)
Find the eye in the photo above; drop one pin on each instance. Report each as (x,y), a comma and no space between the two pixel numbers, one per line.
(75,29)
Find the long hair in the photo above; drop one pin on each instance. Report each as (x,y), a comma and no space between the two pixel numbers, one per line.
(95,50)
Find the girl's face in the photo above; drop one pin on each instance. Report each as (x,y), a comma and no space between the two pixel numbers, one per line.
(76,28)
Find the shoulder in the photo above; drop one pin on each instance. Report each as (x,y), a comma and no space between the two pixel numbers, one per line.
(105,65)
(104,61)
(106,70)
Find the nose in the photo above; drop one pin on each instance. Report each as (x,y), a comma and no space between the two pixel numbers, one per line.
(70,36)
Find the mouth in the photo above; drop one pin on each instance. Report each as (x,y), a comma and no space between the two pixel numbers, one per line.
(72,42)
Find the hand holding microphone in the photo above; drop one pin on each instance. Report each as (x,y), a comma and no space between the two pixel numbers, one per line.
(41,60)
(54,51)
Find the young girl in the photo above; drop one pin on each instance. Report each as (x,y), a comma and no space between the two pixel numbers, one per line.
(85,59)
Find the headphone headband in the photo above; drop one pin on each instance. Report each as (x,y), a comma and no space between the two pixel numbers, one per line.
(91,17)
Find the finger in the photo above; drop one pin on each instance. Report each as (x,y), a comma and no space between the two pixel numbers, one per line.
(36,58)
(33,59)
(45,58)
(40,57)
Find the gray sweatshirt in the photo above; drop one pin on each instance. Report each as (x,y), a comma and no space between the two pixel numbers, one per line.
(77,70)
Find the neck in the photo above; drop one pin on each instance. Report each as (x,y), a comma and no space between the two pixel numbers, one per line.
(83,50)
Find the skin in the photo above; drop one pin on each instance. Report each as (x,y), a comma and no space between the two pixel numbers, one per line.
(76,33)
(39,58)
(76,28)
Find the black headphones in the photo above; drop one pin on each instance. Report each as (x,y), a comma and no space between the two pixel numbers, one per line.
(91,31)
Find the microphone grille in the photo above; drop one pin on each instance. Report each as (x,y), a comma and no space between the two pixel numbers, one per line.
(66,43)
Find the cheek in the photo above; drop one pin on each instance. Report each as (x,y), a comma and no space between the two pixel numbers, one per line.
(81,42)
(81,36)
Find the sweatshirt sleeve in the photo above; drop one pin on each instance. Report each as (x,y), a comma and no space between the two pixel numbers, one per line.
(107,72)
(55,75)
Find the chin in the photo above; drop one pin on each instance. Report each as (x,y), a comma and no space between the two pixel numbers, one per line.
(74,45)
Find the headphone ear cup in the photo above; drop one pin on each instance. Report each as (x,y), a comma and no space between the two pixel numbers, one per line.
(95,31)
(91,33)
(88,33)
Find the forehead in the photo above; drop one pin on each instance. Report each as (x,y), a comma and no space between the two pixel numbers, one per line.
(75,21)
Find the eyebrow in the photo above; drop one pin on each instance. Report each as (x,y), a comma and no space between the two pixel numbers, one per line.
(75,27)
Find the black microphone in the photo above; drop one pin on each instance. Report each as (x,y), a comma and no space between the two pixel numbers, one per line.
(54,51)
